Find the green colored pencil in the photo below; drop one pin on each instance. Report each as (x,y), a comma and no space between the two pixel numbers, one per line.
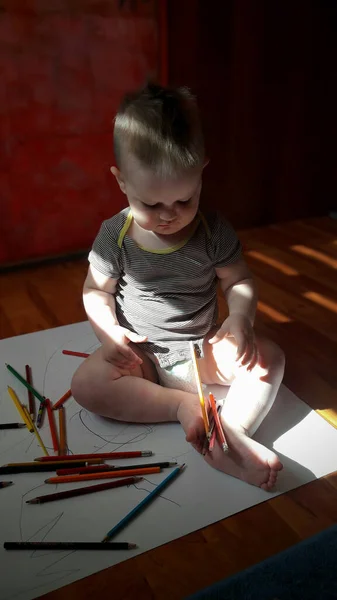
(25,383)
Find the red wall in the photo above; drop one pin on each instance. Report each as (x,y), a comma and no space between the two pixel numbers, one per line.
(64,67)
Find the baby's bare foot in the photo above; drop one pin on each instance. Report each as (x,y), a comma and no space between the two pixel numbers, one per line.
(247,459)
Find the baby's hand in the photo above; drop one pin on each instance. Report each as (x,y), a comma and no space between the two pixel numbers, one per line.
(117,350)
(240,328)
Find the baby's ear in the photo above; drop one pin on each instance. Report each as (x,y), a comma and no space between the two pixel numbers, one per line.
(118,175)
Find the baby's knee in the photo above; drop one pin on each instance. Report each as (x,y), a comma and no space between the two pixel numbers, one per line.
(80,386)
(272,355)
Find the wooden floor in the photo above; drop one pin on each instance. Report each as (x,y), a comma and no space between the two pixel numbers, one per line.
(295,265)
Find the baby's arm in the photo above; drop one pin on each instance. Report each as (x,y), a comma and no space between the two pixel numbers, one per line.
(100,306)
(240,292)
(239,289)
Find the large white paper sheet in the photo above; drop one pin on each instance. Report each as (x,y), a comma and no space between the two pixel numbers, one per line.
(306,444)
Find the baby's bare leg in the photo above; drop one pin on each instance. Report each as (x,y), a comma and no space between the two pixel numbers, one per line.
(249,399)
(125,395)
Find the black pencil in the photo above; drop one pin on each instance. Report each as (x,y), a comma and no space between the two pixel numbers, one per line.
(38,467)
(40,414)
(68,546)
(12,425)
(84,490)
(105,468)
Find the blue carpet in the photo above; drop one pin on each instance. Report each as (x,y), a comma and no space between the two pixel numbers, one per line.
(307,571)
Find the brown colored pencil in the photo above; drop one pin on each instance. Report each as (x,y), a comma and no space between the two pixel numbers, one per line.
(62,430)
(62,400)
(58,463)
(106,455)
(52,425)
(220,432)
(31,402)
(105,475)
(100,487)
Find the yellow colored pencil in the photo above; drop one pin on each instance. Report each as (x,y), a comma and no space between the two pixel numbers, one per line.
(34,430)
(199,387)
(62,430)
(20,408)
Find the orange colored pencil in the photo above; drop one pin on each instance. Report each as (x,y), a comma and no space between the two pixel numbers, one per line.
(107,475)
(52,425)
(62,400)
(218,426)
(62,428)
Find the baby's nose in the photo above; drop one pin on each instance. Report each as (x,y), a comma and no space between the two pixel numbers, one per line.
(167,215)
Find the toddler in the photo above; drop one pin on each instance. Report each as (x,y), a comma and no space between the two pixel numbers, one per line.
(151,288)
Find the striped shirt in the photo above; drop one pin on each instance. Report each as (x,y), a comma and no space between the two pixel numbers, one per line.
(168,295)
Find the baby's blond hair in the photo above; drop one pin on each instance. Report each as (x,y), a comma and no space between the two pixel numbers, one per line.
(161,128)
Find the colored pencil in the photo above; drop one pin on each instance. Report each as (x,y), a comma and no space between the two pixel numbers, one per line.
(212,440)
(31,403)
(40,414)
(52,425)
(19,408)
(80,354)
(105,475)
(220,432)
(142,504)
(12,425)
(32,468)
(199,387)
(62,400)
(25,383)
(62,430)
(107,455)
(100,487)
(55,462)
(102,468)
(34,430)
(4,484)
(68,546)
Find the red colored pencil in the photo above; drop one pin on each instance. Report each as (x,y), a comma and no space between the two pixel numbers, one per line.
(52,425)
(62,400)
(105,475)
(84,490)
(218,426)
(107,455)
(30,395)
(80,354)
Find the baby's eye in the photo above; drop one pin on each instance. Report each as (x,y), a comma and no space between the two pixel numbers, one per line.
(182,202)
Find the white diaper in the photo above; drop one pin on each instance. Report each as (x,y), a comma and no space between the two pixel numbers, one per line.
(180,376)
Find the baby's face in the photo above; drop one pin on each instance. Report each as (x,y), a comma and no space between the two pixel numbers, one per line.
(164,206)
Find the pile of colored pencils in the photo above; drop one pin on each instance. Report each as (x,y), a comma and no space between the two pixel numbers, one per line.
(76,467)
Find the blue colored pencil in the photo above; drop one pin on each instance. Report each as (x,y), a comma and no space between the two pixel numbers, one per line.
(142,504)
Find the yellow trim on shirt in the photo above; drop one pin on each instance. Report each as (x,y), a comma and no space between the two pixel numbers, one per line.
(163,250)
(125,229)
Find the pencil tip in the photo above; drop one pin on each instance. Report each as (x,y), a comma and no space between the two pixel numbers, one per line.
(7,483)
(105,540)
(131,545)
